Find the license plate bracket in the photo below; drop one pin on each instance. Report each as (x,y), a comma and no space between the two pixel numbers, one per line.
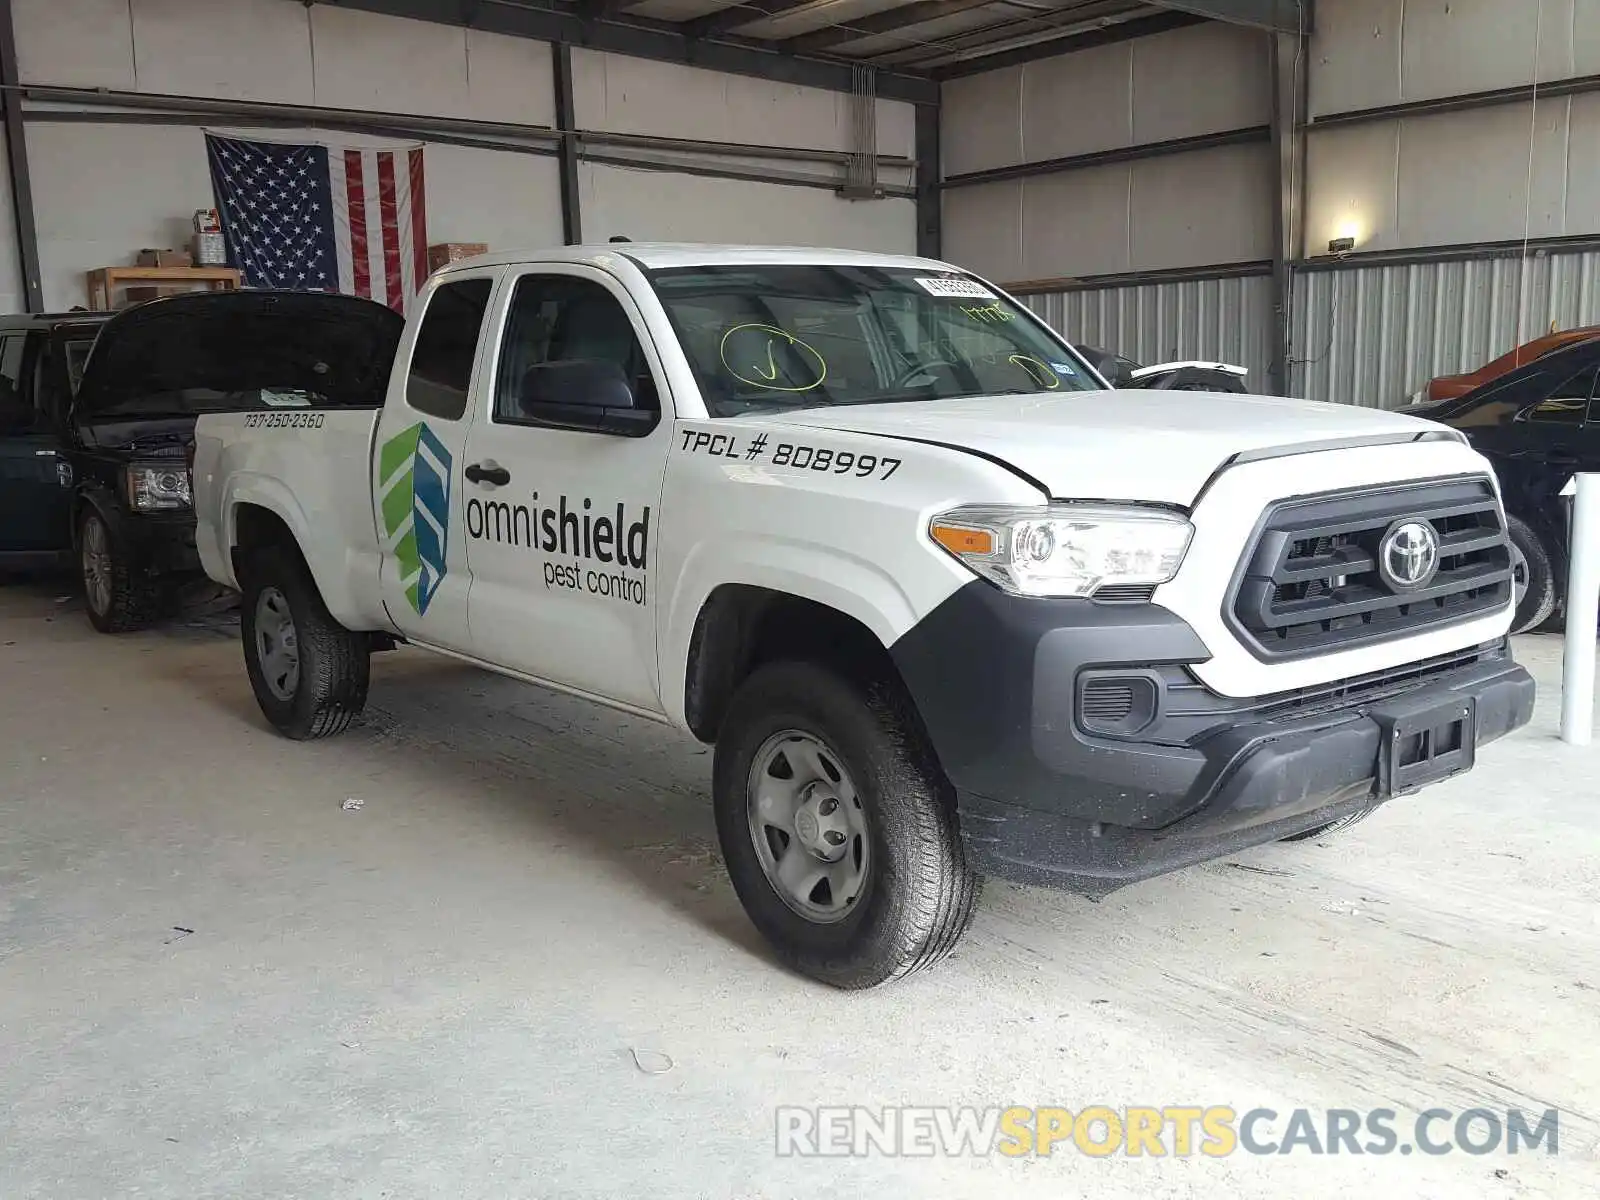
(1424,742)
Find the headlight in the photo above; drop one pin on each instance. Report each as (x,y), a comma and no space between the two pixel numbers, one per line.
(157,487)
(1064,549)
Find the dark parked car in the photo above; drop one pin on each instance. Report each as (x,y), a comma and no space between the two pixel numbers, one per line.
(1538,425)
(1187,376)
(153,371)
(41,361)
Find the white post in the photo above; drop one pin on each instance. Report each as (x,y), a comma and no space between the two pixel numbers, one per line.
(1583,613)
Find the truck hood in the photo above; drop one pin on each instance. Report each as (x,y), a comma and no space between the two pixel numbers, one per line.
(1119,445)
(218,351)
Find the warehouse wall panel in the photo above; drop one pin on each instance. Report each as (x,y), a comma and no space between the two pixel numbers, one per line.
(1455,178)
(104,192)
(241,50)
(272,51)
(617,94)
(1196,209)
(1074,223)
(1212,319)
(983,231)
(1375,335)
(88,43)
(657,206)
(1371,53)
(1202,208)
(1203,79)
(101,193)
(1199,80)
(1139,216)
(981,121)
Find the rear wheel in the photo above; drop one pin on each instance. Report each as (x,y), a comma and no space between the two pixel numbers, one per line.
(1532,575)
(117,595)
(838,828)
(309,673)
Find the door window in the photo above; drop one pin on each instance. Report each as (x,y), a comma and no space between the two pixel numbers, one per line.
(16,405)
(447,343)
(1567,403)
(559,318)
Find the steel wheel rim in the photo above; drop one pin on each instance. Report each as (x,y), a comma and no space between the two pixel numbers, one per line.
(1519,574)
(96,565)
(277,644)
(808,826)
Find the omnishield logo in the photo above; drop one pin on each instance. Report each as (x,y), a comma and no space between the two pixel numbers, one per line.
(414,483)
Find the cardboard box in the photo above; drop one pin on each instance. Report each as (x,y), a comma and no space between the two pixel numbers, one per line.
(165,258)
(448,252)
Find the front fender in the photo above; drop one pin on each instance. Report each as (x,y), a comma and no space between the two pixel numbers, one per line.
(825,574)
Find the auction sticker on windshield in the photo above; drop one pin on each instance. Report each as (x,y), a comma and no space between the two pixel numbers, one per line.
(959,289)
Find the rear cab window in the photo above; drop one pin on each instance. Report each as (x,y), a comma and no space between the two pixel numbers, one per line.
(440,372)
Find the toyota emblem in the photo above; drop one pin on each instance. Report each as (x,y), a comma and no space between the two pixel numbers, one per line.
(1408,556)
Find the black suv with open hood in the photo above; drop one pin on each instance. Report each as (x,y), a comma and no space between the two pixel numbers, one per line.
(152,372)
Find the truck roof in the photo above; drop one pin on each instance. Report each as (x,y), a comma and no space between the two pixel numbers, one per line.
(653,255)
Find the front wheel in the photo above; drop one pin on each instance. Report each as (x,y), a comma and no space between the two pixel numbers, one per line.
(838,829)
(117,595)
(1533,578)
(309,672)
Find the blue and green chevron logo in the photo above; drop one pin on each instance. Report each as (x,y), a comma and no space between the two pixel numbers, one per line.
(414,486)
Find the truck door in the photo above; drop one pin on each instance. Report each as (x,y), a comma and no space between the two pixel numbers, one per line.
(35,485)
(562,522)
(421,444)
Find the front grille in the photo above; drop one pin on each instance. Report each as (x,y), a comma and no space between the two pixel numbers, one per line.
(1311,580)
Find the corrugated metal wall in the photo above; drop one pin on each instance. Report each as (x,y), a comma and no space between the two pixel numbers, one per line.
(1375,335)
(1218,319)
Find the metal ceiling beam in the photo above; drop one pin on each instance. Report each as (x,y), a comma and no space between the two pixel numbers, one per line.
(1014,33)
(663,41)
(1275,16)
(889,21)
(746,12)
(1068,44)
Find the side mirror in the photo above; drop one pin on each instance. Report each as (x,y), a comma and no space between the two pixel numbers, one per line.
(584,393)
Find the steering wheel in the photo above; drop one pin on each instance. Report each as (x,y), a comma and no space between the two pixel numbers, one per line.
(924,368)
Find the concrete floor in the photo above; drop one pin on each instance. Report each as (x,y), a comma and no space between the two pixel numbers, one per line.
(440,994)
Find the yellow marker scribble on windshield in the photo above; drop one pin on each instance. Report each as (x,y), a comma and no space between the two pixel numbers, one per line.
(991,314)
(763,341)
(1041,374)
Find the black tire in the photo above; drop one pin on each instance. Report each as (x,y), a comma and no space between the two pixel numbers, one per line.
(1539,601)
(1332,827)
(330,684)
(919,894)
(118,595)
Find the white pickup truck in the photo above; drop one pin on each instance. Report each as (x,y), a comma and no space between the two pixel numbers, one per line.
(946,605)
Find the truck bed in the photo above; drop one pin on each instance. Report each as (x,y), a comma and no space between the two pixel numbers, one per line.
(314,466)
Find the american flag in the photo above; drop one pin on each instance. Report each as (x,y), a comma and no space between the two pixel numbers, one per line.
(323,218)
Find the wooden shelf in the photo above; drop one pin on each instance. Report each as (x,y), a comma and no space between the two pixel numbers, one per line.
(103,283)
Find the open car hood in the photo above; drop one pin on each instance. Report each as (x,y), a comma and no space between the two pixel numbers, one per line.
(218,351)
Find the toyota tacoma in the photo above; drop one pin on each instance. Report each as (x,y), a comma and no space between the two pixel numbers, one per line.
(945,605)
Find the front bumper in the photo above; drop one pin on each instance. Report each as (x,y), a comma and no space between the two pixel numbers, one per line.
(157,544)
(997,681)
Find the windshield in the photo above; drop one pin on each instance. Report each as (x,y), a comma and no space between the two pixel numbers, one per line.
(761,338)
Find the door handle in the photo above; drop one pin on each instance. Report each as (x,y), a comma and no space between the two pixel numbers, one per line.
(487,473)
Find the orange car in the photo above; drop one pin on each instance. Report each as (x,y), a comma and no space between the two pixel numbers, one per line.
(1448,387)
